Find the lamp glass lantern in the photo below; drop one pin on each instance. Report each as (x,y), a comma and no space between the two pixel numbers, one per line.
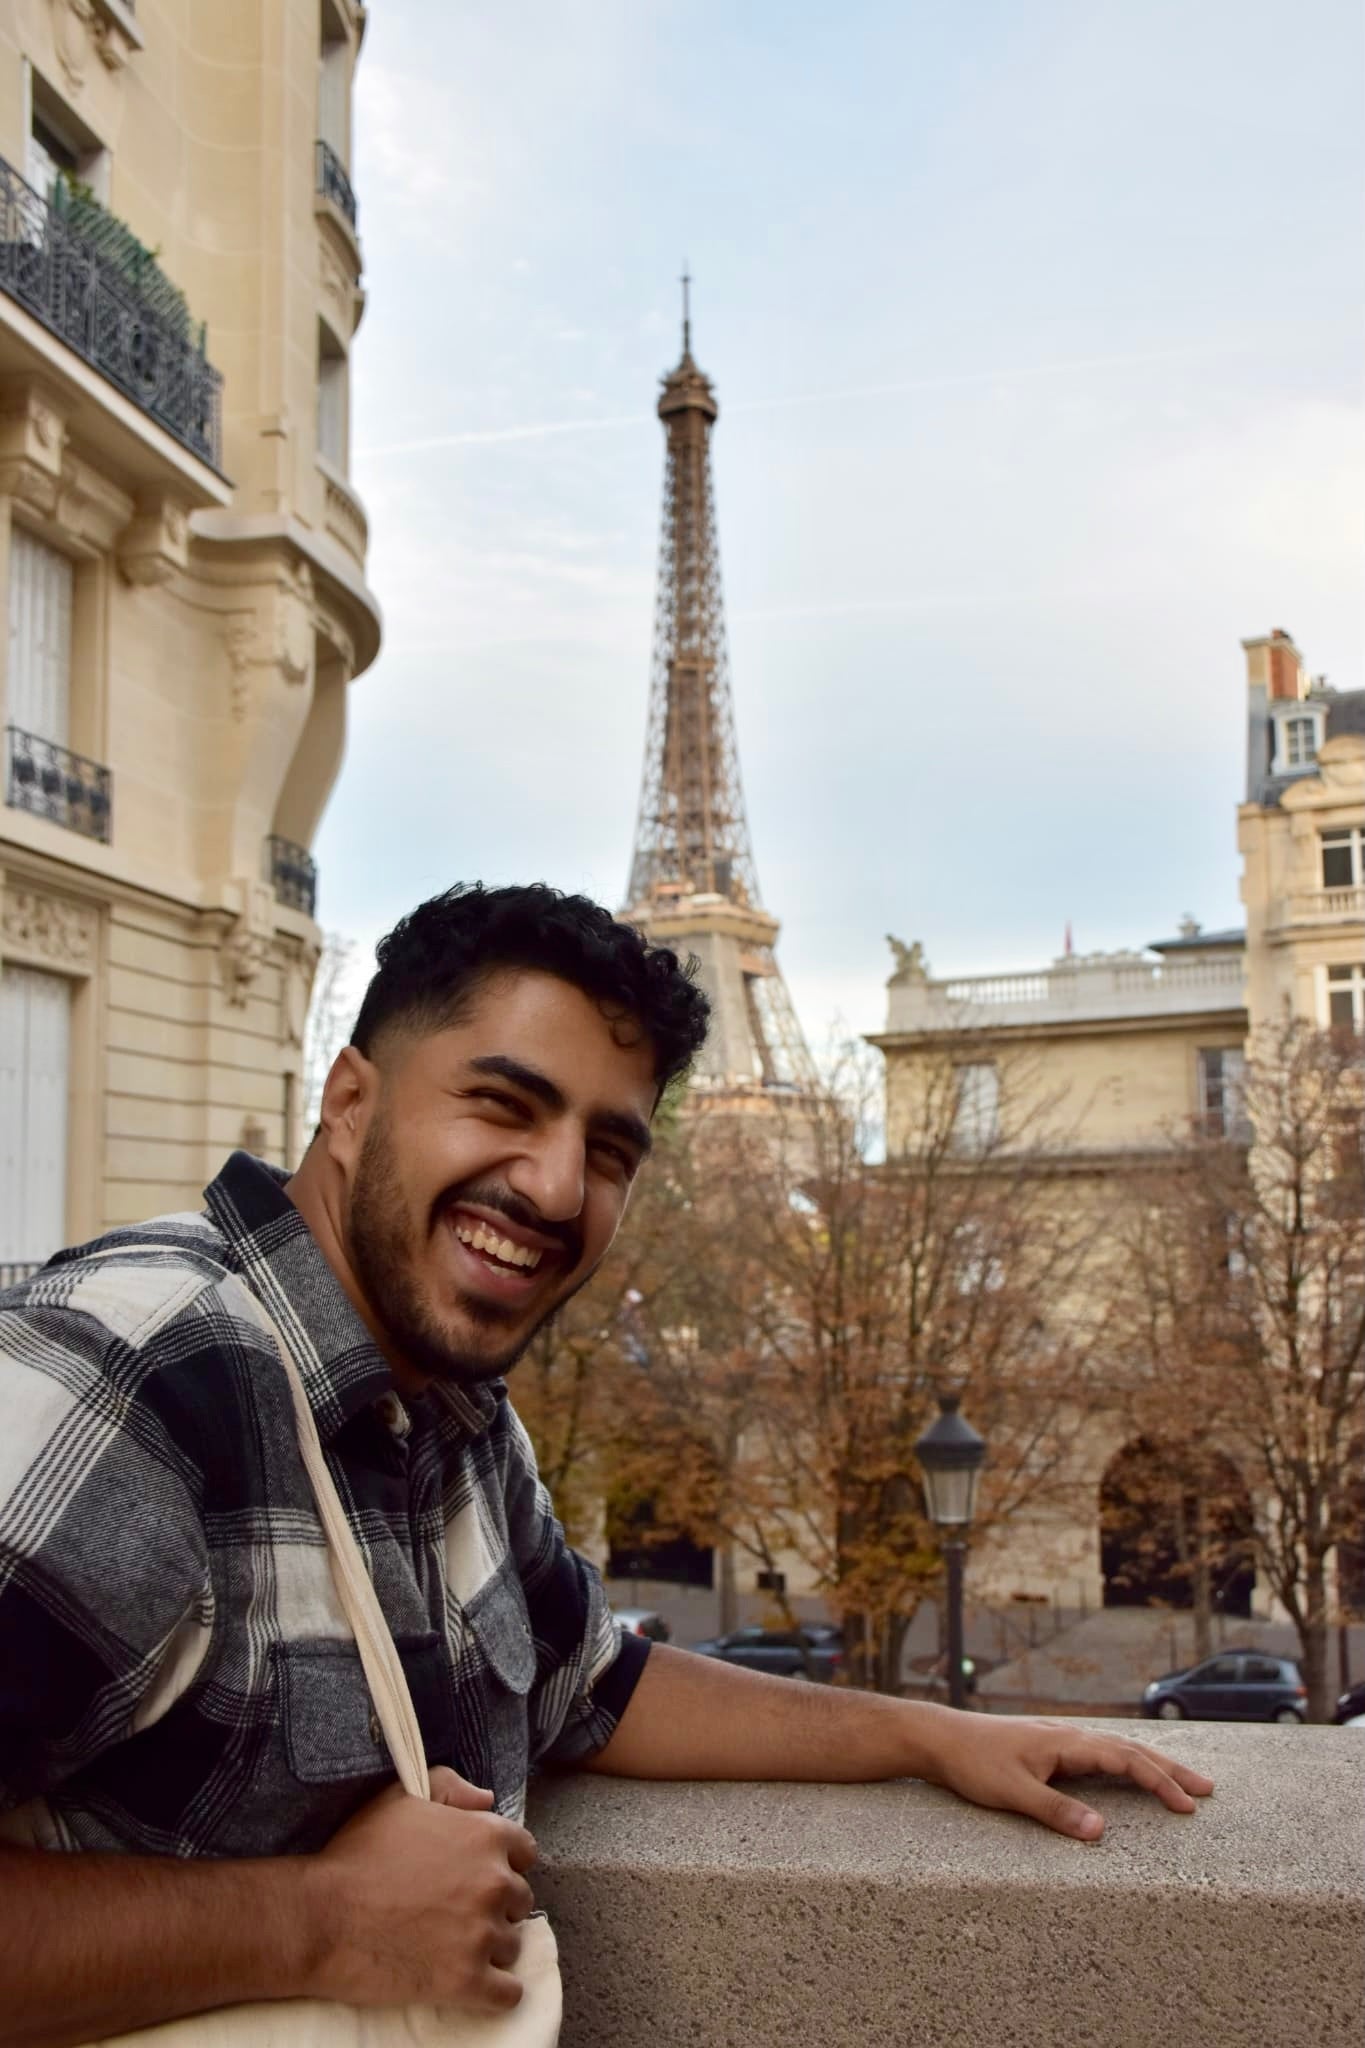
(951,1455)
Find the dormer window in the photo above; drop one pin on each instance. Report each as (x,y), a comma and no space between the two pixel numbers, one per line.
(1295,737)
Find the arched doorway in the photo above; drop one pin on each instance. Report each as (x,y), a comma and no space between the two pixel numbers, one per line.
(1172,1519)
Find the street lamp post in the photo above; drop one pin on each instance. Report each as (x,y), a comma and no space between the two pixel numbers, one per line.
(951,1455)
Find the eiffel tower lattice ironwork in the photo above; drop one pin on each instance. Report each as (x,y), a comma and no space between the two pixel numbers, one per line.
(693,885)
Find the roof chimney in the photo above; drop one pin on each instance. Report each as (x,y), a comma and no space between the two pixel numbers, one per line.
(1275,665)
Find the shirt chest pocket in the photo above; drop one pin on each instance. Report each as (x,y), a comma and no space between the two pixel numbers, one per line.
(500,1627)
(331,1730)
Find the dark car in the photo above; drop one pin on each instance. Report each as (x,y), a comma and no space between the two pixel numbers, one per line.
(1349,1705)
(814,1651)
(642,1621)
(1236,1685)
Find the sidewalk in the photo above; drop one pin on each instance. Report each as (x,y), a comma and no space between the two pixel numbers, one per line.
(1106,1660)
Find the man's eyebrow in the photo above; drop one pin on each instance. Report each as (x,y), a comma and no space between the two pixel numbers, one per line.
(613,1123)
(530,1079)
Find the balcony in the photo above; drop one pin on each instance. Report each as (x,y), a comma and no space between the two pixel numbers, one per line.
(88,296)
(12,1272)
(333,183)
(293,875)
(54,783)
(1321,906)
(870,1916)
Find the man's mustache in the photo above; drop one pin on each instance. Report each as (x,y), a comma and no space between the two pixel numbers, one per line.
(517,1210)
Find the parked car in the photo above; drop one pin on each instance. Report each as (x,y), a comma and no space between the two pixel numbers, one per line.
(1236,1685)
(642,1621)
(1350,1705)
(815,1650)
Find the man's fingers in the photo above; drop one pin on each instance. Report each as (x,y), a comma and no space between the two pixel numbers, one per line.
(449,1789)
(499,1991)
(504,1947)
(1197,1783)
(521,1847)
(1064,1815)
(1153,1772)
(520,1899)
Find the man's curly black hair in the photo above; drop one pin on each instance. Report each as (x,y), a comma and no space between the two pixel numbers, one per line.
(433,963)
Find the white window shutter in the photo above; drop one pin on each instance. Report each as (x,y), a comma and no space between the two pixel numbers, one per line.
(41,588)
(35,1081)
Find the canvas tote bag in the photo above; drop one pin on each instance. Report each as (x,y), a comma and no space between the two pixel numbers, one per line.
(317,2023)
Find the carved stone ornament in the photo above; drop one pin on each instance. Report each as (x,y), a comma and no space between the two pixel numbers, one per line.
(238,636)
(48,930)
(32,442)
(294,986)
(911,964)
(338,288)
(75,32)
(243,956)
(294,630)
(155,543)
(337,638)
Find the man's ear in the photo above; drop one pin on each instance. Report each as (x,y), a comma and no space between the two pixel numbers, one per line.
(348,1097)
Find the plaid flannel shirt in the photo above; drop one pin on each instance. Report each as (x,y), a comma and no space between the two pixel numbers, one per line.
(176,1673)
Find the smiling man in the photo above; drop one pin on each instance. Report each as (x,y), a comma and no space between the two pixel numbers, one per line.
(180,1696)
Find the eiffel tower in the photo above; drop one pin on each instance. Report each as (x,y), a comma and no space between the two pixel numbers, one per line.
(692,880)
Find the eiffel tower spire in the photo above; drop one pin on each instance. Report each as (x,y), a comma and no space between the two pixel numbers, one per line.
(692,880)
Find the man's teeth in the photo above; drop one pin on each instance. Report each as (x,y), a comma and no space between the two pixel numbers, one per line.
(480,1239)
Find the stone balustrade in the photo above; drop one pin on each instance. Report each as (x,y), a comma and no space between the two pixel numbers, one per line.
(710,1916)
(1101,986)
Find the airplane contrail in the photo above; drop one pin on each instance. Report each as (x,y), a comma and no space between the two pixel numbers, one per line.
(941,380)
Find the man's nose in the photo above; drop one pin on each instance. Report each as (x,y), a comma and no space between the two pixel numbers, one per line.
(552,1174)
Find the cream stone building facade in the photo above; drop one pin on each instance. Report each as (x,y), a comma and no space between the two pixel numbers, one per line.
(1117,1054)
(1301,833)
(182,566)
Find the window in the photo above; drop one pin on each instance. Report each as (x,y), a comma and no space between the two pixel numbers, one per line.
(1300,742)
(977,1270)
(41,586)
(1222,1671)
(976,1106)
(334,84)
(1222,1071)
(48,157)
(35,1056)
(331,399)
(1346,997)
(1343,858)
(60,145)
(1262,1671)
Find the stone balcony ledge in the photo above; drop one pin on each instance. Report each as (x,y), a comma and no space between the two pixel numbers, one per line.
(710,1916)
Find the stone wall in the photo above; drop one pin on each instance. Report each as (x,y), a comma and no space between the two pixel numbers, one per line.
(748,1916)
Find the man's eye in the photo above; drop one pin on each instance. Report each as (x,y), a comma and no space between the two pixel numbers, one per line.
(616,1156)
(496,1096)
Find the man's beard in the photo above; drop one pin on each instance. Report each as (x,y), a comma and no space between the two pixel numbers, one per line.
(384,1255)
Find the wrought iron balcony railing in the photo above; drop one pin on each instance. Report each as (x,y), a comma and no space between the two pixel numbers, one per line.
(293,874)
(333,182)
(57,784)
(52,270)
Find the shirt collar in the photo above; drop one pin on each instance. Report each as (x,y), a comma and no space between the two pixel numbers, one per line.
(270,1245)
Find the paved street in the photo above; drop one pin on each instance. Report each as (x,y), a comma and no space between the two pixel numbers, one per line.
(1096,1660)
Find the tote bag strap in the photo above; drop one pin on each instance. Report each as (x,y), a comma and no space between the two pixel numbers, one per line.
(379,1658)
(359,1602)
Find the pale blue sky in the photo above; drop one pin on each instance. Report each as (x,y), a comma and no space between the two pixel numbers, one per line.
(1037,330)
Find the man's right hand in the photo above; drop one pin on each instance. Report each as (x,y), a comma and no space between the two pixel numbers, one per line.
(421,1902)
